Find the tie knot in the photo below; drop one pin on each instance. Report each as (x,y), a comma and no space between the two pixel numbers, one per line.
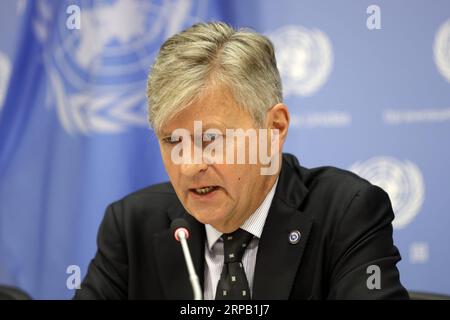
(234,245)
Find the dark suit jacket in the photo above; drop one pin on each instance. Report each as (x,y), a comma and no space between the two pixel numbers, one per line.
(345,226)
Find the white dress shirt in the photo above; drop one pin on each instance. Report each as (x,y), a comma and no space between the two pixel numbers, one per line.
(214,248)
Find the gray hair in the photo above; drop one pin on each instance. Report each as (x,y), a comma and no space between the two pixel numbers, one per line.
(213,53)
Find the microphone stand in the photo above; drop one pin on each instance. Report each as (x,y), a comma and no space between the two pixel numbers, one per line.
(190,265)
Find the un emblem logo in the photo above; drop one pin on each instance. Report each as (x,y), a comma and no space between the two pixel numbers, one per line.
(5,72)
(441,50)
(402,180)
(97,75)
(304,58)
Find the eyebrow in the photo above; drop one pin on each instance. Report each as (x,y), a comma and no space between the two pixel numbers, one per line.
(212,125)
(205,127)
(163,135)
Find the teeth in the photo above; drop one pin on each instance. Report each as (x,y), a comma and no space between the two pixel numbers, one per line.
(204,190)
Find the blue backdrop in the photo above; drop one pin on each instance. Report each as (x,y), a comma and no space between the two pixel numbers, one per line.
(367,84)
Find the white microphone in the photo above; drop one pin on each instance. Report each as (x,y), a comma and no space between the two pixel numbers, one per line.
(180,230)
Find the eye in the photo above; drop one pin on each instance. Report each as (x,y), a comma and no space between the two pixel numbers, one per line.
(172,140)
(210,136)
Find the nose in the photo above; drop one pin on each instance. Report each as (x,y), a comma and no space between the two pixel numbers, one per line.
(191,169)
(193,163)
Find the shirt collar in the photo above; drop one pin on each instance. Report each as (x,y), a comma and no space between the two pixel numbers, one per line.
(254,224)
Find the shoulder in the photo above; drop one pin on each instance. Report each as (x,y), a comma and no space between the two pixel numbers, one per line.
(325,179)
(332,180)
(340,197)
(147,205)
(331,192)
(157,192)
(338,184)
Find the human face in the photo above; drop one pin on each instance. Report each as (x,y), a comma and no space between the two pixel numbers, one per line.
(239,189)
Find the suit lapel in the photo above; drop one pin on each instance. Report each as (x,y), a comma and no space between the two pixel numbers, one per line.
(170,260)
(278,259)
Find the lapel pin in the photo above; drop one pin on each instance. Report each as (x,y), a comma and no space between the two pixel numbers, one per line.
(294,237)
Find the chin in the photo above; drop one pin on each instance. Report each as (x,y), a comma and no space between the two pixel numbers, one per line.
(207,218)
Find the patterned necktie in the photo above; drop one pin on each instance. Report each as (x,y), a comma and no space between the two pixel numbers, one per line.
(233,284)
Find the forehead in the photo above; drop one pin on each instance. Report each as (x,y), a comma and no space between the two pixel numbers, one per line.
(215,108)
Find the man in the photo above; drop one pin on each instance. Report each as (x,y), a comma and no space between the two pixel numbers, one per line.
(261,229)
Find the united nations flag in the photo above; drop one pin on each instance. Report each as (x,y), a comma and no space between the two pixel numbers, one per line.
(441,50)
(73,131)
(402,180)
(304,58)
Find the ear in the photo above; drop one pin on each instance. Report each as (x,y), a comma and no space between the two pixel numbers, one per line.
(278,118)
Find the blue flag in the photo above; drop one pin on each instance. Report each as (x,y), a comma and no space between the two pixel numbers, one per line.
(73,132)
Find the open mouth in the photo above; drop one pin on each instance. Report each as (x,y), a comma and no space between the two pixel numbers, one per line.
(204,190)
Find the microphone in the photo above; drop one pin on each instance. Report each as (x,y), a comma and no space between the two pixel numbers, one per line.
(180,229)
